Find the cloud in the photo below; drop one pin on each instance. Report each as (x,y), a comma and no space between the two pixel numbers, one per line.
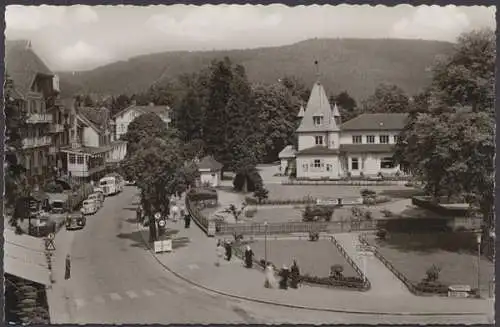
(84,14)
(209,22)
(82,54)
(32,18)
(432,22)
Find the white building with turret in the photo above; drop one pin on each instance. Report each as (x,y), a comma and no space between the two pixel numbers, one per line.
(329,148)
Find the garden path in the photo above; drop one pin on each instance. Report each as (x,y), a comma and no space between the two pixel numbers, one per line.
(383,282)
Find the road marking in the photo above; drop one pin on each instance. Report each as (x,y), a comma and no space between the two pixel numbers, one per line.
(80,303)
(99,299)
(115,296)
(148,292)
(131,294)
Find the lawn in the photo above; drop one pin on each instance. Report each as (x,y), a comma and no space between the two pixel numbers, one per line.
(313,258)
(413,254)
(278,191)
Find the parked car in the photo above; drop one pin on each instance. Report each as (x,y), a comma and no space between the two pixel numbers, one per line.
(98,190)
(89,207)
(58,207)
(98,198)
(75,221)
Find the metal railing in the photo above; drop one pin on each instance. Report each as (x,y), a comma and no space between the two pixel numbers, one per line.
(271,228)
(340,248)
(32,142)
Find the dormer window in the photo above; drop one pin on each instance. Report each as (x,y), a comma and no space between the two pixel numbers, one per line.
(318,120)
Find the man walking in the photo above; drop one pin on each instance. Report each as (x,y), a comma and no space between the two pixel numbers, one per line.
(67,273)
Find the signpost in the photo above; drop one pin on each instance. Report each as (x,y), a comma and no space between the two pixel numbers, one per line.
(49,242)
(163,246)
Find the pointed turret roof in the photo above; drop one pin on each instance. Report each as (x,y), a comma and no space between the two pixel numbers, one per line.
(336,112)
(301,112)
(318,105)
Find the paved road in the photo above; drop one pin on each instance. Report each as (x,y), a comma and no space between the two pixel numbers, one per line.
(115,280)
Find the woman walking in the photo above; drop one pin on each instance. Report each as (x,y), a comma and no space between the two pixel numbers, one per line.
(219,251)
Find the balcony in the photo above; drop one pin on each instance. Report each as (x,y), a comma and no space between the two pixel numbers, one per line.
(37,118)
(56,128)
(33,142)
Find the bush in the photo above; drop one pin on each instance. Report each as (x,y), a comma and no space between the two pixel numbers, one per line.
(381,234)
(313,236)
(350,282)
(261,194)
(434,287)
(432,274)
(367,193)
(312,212)
(382,199)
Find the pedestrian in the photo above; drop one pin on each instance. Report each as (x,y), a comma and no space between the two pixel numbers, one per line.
(294,275)
(174,212)
(229,251)
(284,274)
(270,278)
(248,257)
(219,252)
(139,213)
(67,273)
(187,219)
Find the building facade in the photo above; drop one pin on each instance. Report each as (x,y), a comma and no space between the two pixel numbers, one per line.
(330,149)
(123,118)
(36,94)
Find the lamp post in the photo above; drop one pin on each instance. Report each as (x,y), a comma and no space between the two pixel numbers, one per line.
(265,243)
(478,240)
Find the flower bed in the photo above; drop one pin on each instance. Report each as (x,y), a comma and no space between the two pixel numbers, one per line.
(253,201)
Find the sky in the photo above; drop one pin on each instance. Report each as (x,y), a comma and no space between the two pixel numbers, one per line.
(72,38)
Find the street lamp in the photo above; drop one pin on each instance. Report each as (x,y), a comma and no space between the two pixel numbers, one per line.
(265,243)
(478,240)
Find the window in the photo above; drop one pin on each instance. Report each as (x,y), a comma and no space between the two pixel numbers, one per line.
(79,160)
(317,120)
(387,163)
(357,139)
(71,158)
(354,163)
(384,139)
(370,139)
(305,167)
(318,140)
(317,163)
(328,167)
(396,138)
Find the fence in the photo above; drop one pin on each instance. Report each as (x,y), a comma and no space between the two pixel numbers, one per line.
(347,182)
(367,284)
(271,228)
(196,215)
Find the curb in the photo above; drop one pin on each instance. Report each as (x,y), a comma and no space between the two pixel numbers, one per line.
(294,306)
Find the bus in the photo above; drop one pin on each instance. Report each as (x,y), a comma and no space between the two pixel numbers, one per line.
(111,184)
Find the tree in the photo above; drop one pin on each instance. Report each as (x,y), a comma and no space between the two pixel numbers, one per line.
(261,193)
(142,127)
(296,87)
(16,183)
(119,103)
(450,148)
(387,98)
(346,104)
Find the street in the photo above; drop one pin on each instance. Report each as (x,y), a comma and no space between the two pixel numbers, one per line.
(115,279)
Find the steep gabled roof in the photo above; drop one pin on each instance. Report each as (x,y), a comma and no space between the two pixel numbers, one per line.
(210,163)
(317,150)
(22,64)
(376,122)
(97,116)
(318,105)
(159,110)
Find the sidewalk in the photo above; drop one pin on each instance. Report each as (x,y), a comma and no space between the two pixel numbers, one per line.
(195,262)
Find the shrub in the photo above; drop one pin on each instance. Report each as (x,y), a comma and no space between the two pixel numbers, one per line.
(368,215)
(312,212)
(387,213)
(381,234)
(261,194)
(367,193)
(432,274)
(382,199)
(313,236)
(433,287)
(336,272)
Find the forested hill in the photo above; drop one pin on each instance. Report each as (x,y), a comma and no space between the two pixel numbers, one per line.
(355,65)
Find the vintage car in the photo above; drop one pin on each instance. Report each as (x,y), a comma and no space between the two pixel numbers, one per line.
(98,198)
(89,207)
(75,221)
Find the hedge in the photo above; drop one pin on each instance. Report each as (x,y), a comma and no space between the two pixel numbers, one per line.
(253,201)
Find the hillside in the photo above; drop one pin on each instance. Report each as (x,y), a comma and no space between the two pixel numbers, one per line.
(355,65)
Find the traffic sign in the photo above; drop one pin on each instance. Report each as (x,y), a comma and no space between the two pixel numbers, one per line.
(49,244)
(51,236)
(157,215)
(161,223)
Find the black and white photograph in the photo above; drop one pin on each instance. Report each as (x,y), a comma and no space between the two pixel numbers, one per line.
(249,164)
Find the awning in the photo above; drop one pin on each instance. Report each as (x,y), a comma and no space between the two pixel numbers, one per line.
(24,257)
